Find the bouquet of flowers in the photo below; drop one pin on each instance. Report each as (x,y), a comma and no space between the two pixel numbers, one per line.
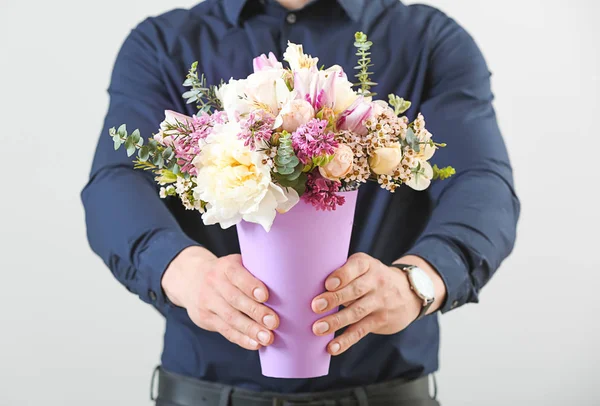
(261,143)
(296,139)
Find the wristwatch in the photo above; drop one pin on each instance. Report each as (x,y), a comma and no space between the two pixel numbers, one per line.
(421,284)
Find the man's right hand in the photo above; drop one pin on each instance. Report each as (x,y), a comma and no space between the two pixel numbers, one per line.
(220,295)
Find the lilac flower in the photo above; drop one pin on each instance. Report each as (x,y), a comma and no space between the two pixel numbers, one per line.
(312,140)
(187,145)
(321,192)
(257,127)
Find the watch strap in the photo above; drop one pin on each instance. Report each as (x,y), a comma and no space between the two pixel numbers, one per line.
(426,304)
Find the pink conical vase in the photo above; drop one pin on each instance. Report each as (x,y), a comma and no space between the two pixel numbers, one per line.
(303,247)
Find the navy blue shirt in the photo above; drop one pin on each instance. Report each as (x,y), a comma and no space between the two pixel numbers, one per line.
(464,227)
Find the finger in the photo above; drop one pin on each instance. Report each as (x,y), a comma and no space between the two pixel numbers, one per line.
(242,323)
(245,281)
(357,265)
(232,334)
(352,335)
(355,290)
(350,315)
(256,311)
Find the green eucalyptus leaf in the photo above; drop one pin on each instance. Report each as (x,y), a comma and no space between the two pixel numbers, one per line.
(284,170)
(297,172)
(283,160)
(130,146)
(158,160)
(189,94)
(117,142)
(122,131)
(135,136)
(168,153)
(411,138)
(144,153)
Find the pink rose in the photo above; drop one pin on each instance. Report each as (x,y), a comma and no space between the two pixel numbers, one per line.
(263,63)
(340,165)
(294,114)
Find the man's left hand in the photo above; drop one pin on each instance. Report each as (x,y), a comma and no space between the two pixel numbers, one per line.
(377,299)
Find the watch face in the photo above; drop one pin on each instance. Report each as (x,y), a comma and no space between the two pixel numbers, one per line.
(422,283)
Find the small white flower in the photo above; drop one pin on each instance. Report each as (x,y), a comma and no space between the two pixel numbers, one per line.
(162,193)
(182,186)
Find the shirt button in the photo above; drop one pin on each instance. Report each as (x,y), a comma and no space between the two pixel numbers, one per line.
(152,295)
(454,304)
(291,18)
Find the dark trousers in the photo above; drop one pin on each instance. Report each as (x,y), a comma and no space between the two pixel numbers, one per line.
(177,390)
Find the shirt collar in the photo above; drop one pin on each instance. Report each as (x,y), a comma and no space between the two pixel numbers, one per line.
(233,8)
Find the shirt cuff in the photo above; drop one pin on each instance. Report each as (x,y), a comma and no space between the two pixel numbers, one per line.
(451,266)
(154,260)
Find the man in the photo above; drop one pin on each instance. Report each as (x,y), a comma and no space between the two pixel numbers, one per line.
(451,238)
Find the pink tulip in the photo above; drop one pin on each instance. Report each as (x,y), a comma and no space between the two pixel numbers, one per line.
(354,117)
(316,88)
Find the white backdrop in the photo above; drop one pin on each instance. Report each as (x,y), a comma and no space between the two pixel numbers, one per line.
(70,335)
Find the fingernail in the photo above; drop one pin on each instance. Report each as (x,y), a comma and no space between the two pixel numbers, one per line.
(269,321)
(263,337)
(321,327)
(320,304)
(253,343)
(259,294)
(335,347)
(332,283)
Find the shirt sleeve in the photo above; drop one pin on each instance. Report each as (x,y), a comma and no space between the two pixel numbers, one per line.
(128,225)
(473,223)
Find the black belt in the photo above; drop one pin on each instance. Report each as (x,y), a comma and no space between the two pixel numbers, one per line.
(177,390)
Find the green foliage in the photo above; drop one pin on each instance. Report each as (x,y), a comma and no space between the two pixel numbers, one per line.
(165,176)
(399,104)
(289,168)
(363,46)
(322,160)
(443,173)
(285,160)
(151,156)
(205,96)
(412,140)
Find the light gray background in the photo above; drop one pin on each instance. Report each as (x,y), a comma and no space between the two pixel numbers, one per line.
(70,335)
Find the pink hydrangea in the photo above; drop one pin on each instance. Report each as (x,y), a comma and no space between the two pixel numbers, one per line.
(312,140)
(321,192)
(257,127)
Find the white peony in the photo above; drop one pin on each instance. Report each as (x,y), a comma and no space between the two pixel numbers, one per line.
(264,90)
(236,184)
